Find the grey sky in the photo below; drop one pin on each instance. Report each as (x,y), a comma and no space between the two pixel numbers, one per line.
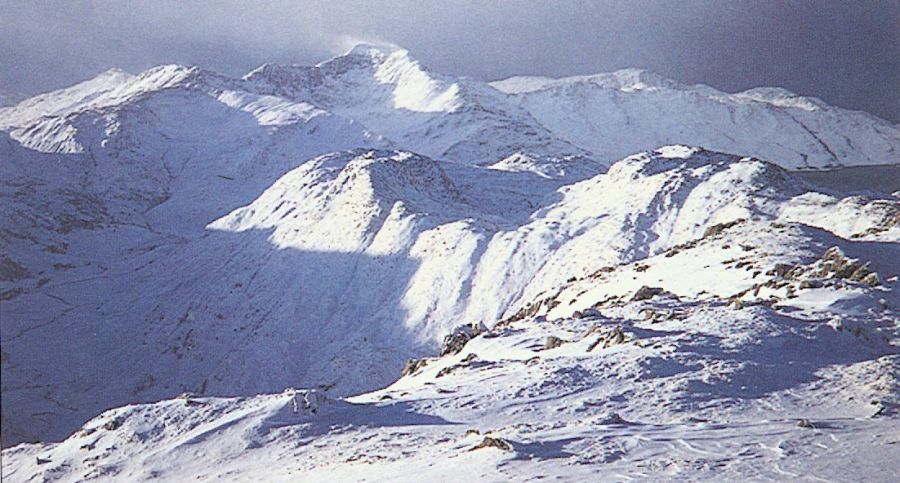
(846,52)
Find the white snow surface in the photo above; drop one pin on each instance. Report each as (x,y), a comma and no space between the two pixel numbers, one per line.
(179,231)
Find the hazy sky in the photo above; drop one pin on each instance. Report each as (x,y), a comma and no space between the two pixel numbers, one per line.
(846,52)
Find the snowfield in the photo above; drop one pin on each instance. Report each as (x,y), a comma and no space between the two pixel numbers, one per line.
(363,270)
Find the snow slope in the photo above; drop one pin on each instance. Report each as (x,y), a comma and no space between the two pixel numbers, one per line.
(143,178)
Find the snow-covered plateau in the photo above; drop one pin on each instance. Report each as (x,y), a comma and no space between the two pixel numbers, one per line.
(365,270)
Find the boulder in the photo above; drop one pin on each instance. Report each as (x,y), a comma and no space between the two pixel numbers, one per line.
(646,293)
(553,342)
(491,442)
(871,280)
(412,366)
(608,338)
(455,341)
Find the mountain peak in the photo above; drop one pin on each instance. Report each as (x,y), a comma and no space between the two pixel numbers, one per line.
(367,55)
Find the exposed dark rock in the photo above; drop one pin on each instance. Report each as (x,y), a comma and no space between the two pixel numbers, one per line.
(834,264)
(553,342)
(860,273)
(779,269)
(11,294)
(811,283)
(470,360)
(607,338)
(720,227)
(646,293)
(871,280)
(530,310)
(736,303)
(447,370)
(455,341)
(412,366)
(602,271)
(114,424)
(491,442)
(10,270)
(612,300)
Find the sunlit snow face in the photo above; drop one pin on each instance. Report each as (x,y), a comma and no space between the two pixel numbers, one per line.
(415,89)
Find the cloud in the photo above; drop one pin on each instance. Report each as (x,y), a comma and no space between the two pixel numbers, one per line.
(346,42)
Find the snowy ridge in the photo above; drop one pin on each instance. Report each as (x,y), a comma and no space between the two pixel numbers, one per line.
(68,99)
(600,117)
(396,80)
(637,109)
(110,88)
(390,93)
(625,80)
(360,188)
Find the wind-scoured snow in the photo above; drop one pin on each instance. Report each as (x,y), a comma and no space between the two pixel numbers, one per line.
(654,309)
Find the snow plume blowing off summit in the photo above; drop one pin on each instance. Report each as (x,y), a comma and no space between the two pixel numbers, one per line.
(618,274)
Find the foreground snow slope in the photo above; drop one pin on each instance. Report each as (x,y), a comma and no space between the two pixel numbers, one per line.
(795,381)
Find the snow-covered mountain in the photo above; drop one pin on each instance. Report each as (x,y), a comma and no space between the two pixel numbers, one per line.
(181,231)
(451,119)
(552,121)
(614,115)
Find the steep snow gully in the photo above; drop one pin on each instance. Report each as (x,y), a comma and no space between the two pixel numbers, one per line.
(621,303)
